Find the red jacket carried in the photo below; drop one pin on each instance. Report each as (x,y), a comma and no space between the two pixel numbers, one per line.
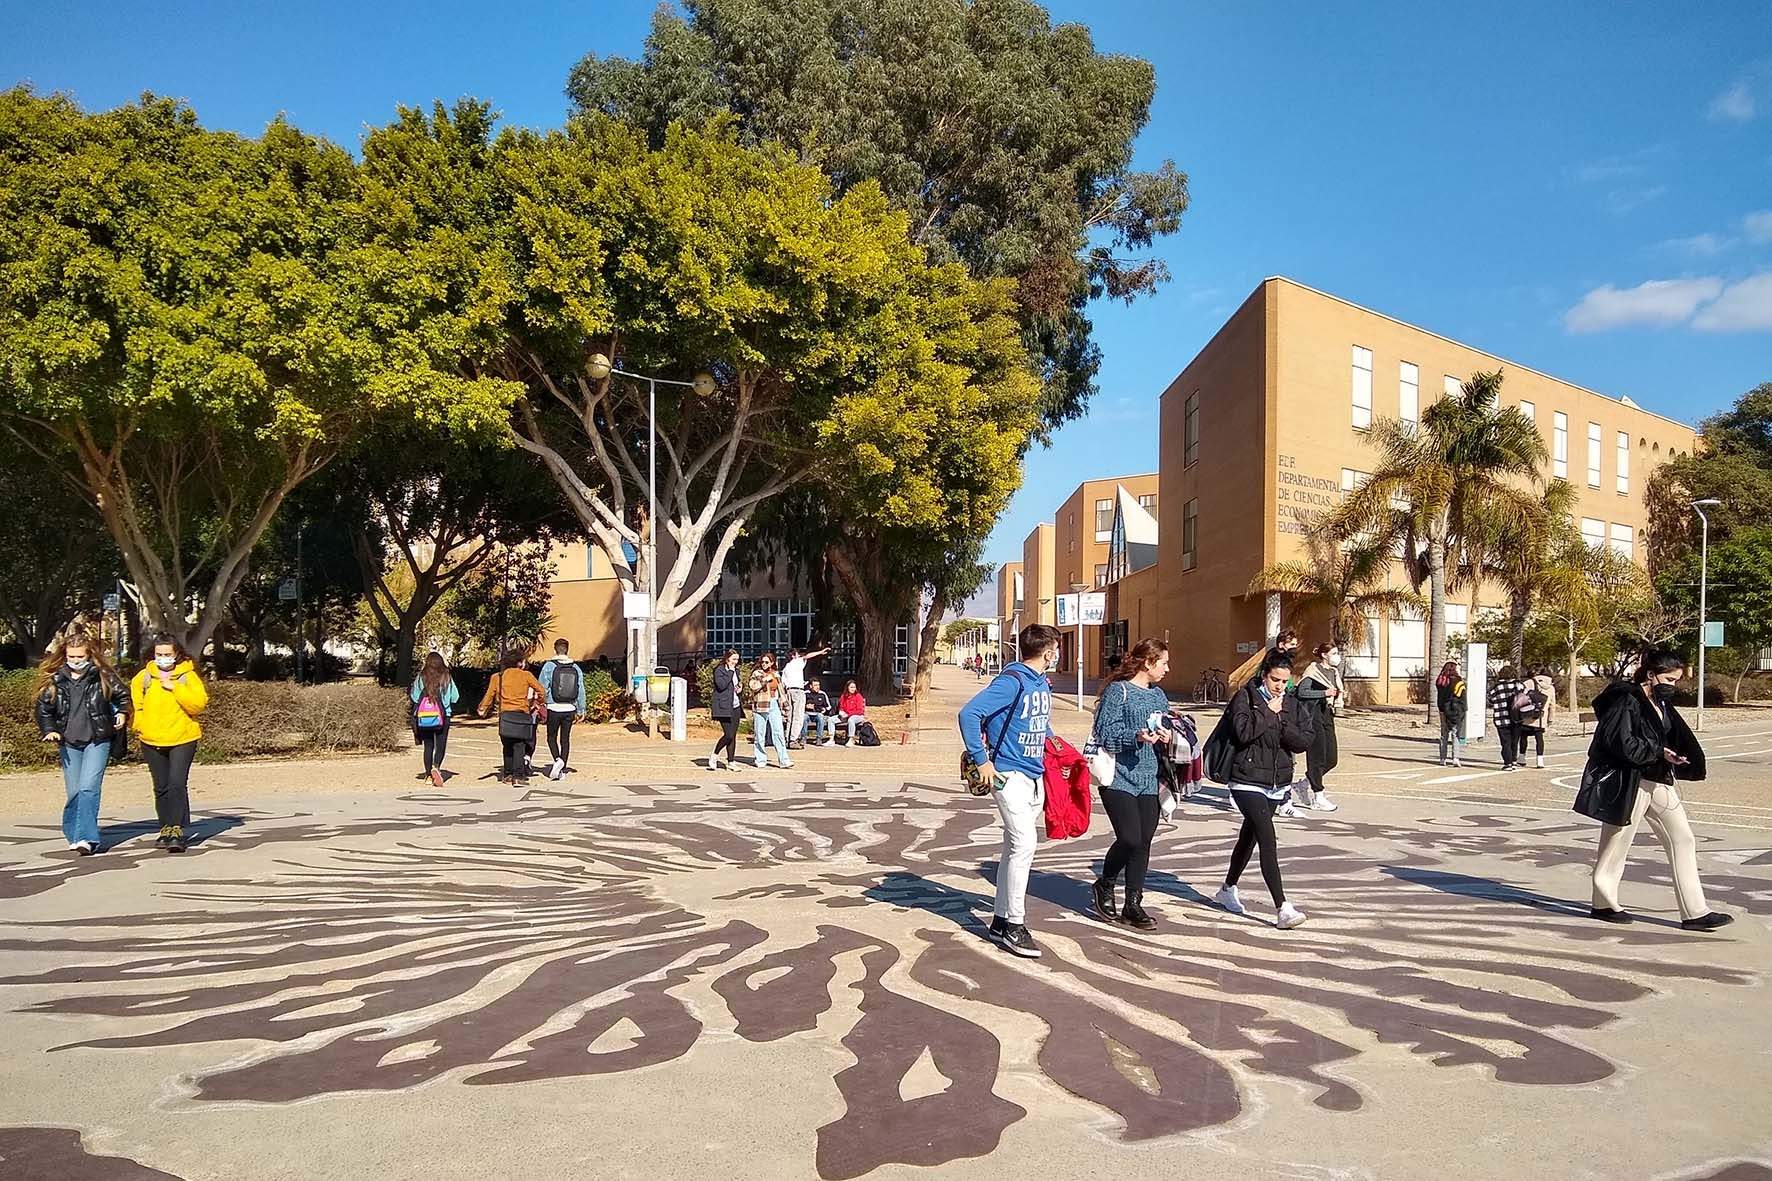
(1067,790)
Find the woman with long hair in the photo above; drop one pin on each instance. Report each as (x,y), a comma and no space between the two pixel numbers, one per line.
(1641,745)
(518,696)
(1268,727)
(1128,725)
(168,695)
(1449,696)
(766,696)
(1320,692)
(81,704)
(434,697)
(727,708)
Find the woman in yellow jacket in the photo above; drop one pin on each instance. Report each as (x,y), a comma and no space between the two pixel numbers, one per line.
(168,696)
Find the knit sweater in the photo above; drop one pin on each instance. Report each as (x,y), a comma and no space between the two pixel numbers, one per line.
(1122,711)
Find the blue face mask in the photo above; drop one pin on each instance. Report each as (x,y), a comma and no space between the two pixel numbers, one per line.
(1266,693)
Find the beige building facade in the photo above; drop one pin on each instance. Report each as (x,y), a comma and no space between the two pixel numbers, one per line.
(1270,424)
(1038,576)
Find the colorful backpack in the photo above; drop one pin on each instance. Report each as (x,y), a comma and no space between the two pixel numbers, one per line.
(428,715)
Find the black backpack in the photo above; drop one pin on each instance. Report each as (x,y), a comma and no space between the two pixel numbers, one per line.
(563,685)
(866,735)
(1219,755)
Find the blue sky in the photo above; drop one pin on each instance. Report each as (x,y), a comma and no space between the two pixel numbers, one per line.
(1585,188)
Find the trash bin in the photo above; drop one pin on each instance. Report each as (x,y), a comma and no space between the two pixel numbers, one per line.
(679,709)
(658,686)
(637,686)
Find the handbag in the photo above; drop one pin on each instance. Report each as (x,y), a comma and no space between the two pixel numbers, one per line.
(1219,755)
(517,724)
(1607,793)
(969,774)
(1101,762)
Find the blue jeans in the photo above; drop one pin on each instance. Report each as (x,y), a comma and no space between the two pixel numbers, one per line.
(83,769)
(827,725)
(766,727)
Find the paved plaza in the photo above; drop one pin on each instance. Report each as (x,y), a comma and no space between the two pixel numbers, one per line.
(785,975)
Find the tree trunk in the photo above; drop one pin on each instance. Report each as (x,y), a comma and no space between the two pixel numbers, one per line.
(1574,675)
(404,641)
(1436,612)
(870,592)
(938,607)
(873,670)
(1516,627)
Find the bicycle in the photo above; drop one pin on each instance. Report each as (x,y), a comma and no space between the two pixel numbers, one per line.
(1211,687)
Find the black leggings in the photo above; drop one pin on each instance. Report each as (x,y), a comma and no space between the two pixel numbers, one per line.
(170,768)
(1258,829)
(560,734)
(1525,732)
(728,738)
(1135,825)
(517,754)
(435,744)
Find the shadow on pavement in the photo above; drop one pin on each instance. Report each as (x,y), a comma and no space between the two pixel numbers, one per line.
(1491,890)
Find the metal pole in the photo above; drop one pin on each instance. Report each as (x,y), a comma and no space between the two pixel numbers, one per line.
(1703,573)
(301,641)
(1079,651)
(651,525)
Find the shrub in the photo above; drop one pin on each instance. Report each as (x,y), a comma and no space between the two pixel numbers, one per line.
(704,681)
(19,745)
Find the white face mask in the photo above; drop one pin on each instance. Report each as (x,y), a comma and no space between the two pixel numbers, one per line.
(166,662)
(78,666)
(1334,660)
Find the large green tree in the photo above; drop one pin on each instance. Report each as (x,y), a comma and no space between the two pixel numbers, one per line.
(1733,465)
(1738,592)
(1008,140)
(194,323)
(1469,459)
(61,559)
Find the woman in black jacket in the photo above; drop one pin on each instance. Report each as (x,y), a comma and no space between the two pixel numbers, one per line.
(1268,726)
(727,708)
(1640,746)
(81,705)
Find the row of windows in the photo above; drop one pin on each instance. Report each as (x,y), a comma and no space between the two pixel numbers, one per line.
(1408,412)
(1597,533)
(1406,652)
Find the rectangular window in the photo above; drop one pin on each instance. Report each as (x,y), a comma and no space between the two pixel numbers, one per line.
(1101,576)
(1148,502)
(1621,540)
(1350,479)
(1408,394)
(1191,431)
(1190,529)
(1359,656)
(1623,462)
(1530,411)
(1593,455)
(1457,619)
(1362,388)
(1593,532)
(1452,387)
(1104,519)
(1559,445)
(1408,646)
(736,624)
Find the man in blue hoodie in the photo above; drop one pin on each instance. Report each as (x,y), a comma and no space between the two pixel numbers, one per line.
(1004,729)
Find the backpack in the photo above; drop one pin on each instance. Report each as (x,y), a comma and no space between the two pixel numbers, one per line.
(563,685)
(427,714)
(1533,709)
(1520,704)
(866,735)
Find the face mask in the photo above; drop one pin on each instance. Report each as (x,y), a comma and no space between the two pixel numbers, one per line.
(78,666)
(1334,660)
(166,662)
(1665,693)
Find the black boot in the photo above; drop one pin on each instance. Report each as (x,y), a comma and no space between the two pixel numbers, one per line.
(1134,914)
(1102,892)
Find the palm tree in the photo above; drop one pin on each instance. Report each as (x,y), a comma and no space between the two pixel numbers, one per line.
(1344,576)
(1527,542)
(1593,591)
(1468,454)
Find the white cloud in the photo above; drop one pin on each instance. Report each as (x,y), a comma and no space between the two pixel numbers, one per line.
(1622,201)
(1742,307)
(1657,302)
(1758,226)
(1699,245)
(1735,104)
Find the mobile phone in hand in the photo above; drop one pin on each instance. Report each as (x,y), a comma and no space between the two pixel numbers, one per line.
(999,782)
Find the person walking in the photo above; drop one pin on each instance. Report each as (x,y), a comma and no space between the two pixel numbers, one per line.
(1267,727)
(1129,725)
(1004,728)
(434,698)
(1449,696)
(563,683)
(767,726)
(1641,745)
(1505,713)
(1320,691)
(852,708)
(1535,718)
(820,710)
(518,697)
(793,680)
(727,708)
(81,706)
(167,696)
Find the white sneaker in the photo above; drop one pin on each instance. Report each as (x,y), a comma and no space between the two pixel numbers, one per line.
(1287,810)
(1456,762)
(828,742)
(82,847)
(558,769)
(713,762)
(1325,804)
(1541,762)
(785,766)
(1227,898)
(762,764)
(1290,917)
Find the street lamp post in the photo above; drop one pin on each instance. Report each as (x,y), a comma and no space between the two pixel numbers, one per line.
(599,368)
(1698,506)
(1077,591)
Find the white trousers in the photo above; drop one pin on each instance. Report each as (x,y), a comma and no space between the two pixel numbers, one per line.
(796,715)
(1660,803)
(1021,802)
